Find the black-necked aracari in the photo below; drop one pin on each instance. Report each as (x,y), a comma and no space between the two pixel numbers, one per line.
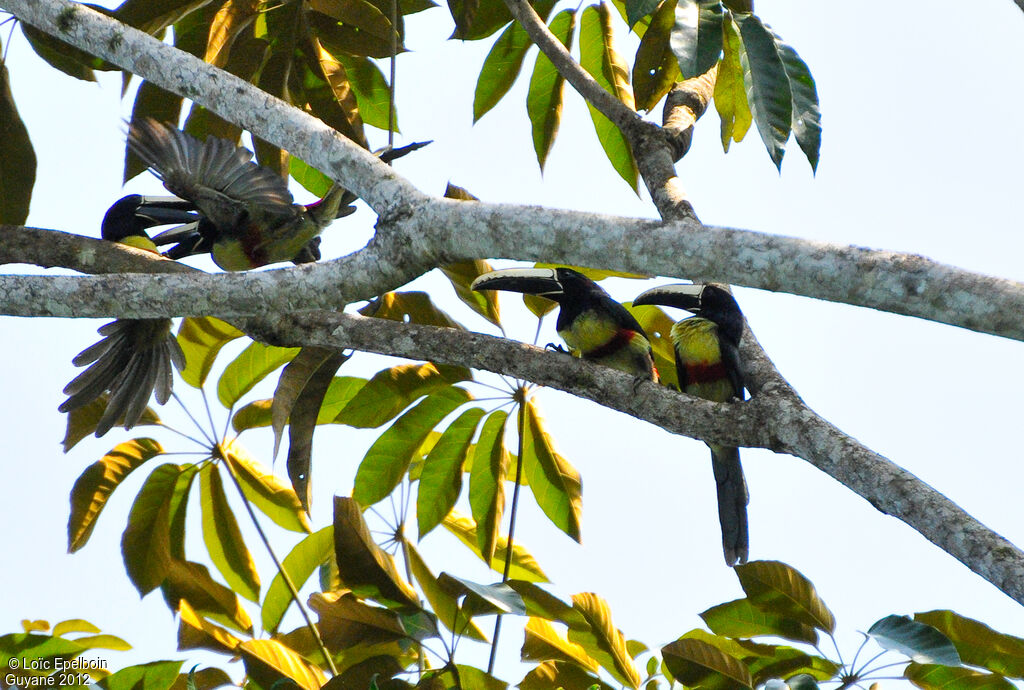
(592,324)
(708,362)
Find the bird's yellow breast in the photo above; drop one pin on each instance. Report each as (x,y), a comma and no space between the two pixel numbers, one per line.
(699,354)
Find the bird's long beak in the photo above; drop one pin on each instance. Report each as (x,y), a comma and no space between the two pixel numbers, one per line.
(531,281)
(681,296)
(164,210)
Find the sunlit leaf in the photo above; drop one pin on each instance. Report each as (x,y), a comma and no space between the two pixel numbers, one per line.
(443,601)
(561,674)
(342,113)
(544,642)
(599,57)
(765,662)
(194,632)
(255,363)
(487,483)
(145,544)
(601,639)
(177,507)
(740,618)
(191,582)
(919,641)
(265,490)
(483,302)
(223,538)
(938,677)
(370,88)
(112,642)
(524,566)
(554,482)
(94,486)
(547,86)
(268,661)
(231,19)
(387,460)
(17,157)
(978,644)
(201,339)
(778,588)
(156,675)
(730,91)
(655,68)
(696,37)
(346,622)
(300,563)
(392,390)
(695,663)
(362,565)
(441,476)
(768,91)
(73,625)
(309,177)
(409,307)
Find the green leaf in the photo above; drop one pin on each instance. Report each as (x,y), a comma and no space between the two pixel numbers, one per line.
(255,363)
(696,36)
(544,642)
(695,663)
(311,179)
(74,625)
(487,483)
(655,69)
(392,390)
(561,674)
(778,588)
(441,476)
(767,84)
(601,639)
(370,88)
(177,507)
(554,482)
(524,567)
(346,621)
(363,566)
(17,157)
(156,675)
(918,641)
(153,17)
(223,538)
(265,490)
(476,19)
(484,600)
(409,307)
(443,600)
(335,103)
(806,113)
(388,458)
(730,92)
(599,57)
(192,583)
(740,618)
(94,486)
(978,644)
(503,63)
(339,393)
(201,339)
(300,563)
(937,677)
(103,642)
(638,9)
(232,18)
(547,86)
(65,57)
(145,544)
(462,275)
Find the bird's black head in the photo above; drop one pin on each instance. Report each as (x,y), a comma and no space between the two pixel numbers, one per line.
(132,215)
(704,300)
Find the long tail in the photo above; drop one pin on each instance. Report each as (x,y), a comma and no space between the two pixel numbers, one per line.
(732,503)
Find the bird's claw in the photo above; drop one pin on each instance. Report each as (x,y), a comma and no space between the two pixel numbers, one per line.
(556,348)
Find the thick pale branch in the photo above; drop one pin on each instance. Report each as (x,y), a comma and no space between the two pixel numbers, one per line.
(684,105)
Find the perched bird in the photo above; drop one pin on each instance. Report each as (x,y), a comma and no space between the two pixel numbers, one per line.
(592,324)
(225,204)
(708,363)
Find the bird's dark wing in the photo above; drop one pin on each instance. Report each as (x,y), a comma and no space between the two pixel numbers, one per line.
(217,176)
(733,365)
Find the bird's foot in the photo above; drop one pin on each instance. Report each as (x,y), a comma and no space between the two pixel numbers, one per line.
(557,348)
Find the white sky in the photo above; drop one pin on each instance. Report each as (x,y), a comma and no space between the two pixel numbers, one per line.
(921,152)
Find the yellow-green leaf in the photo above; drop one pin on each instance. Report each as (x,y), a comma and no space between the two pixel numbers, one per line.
(346,622)
(222,537)
(339,109)
(390,391)
(145,544)
(977,643)
(363,566)
(554,482)
(501,67)
(441,476)
(938,677)
(524,565)
(547,85)
(655,68)
(741,619)
(194,632)
(483,302)
(249,368)
(231,19)
(544,642)
(561,674)
(730,93)
(600,58)
(300,563)
(409,307)
(95,485)
(156,675)
(697,663)
(778,588)
(84,420)
(387,460)
(601,639)
(268,661)
(371,89)
(191,582)
(658,327)
(265,490)
(74,625)
(487,483)
(444,603)
(201,339)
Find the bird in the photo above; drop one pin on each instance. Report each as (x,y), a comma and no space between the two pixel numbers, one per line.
(594,326)
(708,363)
(240,212)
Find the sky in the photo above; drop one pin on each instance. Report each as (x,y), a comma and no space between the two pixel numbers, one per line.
(921,151)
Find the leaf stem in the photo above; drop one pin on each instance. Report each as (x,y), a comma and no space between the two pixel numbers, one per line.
(280,567)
